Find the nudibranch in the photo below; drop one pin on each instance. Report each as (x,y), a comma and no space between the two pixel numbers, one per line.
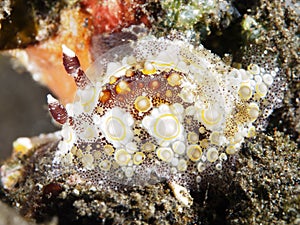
(155,109)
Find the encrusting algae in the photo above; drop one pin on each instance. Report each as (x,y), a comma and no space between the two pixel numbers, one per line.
(159,109)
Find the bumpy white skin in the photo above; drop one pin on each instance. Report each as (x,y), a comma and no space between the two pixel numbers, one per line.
(209,111)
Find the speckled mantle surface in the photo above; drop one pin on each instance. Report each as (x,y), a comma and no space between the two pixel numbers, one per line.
(263,186)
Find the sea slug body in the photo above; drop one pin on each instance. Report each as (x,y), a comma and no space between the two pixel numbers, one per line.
(156,109)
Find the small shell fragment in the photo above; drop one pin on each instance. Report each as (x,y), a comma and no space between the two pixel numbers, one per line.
(181,194)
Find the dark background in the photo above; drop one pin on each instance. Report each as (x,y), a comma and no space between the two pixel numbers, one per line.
(23,107)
